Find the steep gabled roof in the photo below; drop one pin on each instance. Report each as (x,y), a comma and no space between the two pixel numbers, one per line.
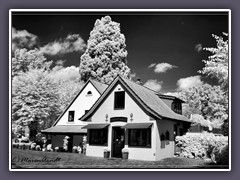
(100,87)
(146,98)
(151,100)
(163,96)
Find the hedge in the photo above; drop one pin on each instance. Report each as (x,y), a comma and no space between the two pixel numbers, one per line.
(200,146)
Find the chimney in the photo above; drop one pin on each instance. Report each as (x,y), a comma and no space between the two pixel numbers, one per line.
(139,81)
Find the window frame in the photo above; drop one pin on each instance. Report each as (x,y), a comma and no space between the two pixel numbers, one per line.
(98,144)
(69,113)
(149,132)
(176,107)
(116,106)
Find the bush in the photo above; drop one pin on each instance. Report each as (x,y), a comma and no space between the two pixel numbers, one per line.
(199,146)
(220,155)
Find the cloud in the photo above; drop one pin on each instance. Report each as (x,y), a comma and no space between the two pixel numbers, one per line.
(67,73)
(23,39)
(161,67)
(72,43)
(154,84)
(185,83)
(198,47)
(152,65)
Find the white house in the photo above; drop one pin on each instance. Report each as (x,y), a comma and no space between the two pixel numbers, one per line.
(132,116)
(67,123)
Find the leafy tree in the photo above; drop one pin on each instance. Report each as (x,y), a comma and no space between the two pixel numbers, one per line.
(217,64)
(106,54)
(67,90)
(208,101)
(24,60)
(34,98)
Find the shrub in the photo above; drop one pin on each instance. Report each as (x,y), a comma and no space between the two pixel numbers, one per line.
(33,146)
(49,147)
(38,148)
(199,146)
(79,149)
(220,155)
(56,149)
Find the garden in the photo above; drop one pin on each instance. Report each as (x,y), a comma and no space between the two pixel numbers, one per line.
(203,150)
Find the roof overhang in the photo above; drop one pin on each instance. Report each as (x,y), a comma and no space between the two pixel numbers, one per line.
(96,126)
(137,125)
(60,129)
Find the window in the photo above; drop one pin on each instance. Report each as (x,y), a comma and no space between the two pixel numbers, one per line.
(119,101)
(177,107)
(140,137)
(70,116)
(98,136)
(89,93)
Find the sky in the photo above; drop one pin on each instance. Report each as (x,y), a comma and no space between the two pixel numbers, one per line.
(165,49)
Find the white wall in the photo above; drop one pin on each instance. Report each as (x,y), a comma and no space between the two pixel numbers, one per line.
(82,103)
(139,116)
(162,127)
(139,153)
(130,107)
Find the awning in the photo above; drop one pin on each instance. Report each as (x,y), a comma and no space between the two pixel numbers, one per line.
(65,129)
(95,126)
(137,125)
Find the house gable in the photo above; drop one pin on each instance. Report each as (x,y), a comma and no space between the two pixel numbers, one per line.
(147,99)
(130,112)
(83,101)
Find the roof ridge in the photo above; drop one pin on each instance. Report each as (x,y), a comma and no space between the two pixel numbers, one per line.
(92,79)
(140,85)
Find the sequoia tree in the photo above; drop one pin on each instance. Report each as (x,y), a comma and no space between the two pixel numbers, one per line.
(106,54)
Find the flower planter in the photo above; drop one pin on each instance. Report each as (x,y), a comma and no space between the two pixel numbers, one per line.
(106,154)
(125,155)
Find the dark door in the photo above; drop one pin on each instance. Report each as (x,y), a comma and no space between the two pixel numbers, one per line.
(118,142)
(70,143)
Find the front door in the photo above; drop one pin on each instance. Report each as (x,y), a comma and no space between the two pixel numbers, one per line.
(118,142)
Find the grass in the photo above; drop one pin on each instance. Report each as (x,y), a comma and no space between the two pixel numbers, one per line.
(55,160)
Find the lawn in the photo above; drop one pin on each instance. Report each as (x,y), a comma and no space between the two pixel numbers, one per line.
(38,159)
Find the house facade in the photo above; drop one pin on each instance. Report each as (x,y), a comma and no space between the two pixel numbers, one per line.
(129,115)
(67,123)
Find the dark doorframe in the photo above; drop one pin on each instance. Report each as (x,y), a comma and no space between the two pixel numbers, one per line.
(117,141)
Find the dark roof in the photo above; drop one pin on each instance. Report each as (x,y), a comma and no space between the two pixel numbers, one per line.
(163,96)
(152,101)
(101,87)
(65,129)
(98,85)
(147,98)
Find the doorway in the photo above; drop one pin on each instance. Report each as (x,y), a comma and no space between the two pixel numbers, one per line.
(118,141)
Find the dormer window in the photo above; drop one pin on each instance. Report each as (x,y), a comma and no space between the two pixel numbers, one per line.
(71,116)
(119,100)
(177,107)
